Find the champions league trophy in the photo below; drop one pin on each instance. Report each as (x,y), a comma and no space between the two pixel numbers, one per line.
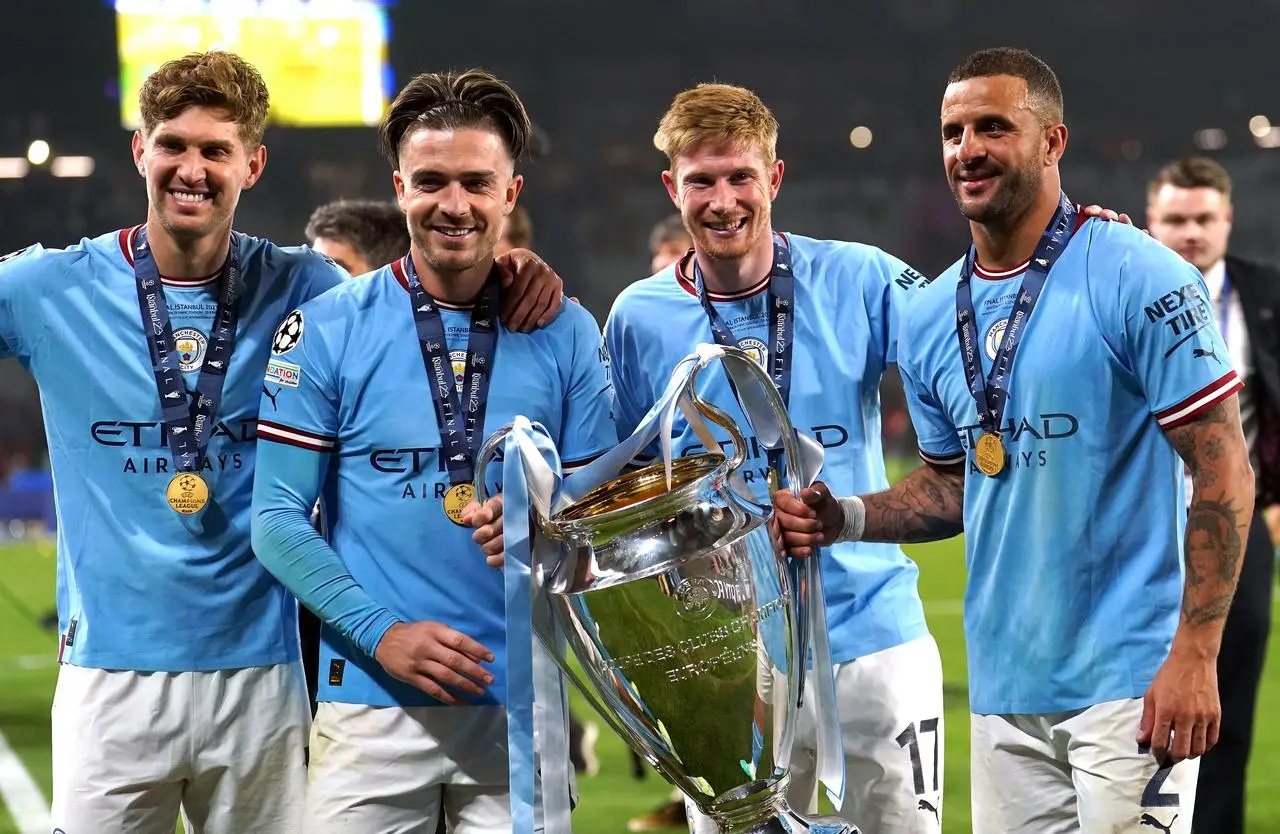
(685,625)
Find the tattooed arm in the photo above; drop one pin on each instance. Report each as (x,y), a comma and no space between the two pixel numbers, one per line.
(1213,448)
(1181,710)
(926,505)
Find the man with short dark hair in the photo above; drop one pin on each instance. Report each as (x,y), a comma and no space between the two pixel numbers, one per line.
(360,235)
(1095,599)
(387,387)
(1189,210)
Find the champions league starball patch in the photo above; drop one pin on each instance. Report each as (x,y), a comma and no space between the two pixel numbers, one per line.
(191,345)
(288,334)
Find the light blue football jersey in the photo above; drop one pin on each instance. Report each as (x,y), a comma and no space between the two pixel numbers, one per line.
(352,422)
(845,335)
(137,588)
(1075,551)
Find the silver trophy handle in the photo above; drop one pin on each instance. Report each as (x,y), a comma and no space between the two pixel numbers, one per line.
(790,446)
(804,572)
(539,625)
(485,455)
(720,418)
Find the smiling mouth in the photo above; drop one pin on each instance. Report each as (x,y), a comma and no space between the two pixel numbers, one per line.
(971,182)
(453,231)
(192,198)
(727,226)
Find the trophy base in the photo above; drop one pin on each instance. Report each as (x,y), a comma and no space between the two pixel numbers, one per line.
(792,823)
(761,807)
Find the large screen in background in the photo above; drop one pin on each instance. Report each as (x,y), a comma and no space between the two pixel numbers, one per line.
(324,61)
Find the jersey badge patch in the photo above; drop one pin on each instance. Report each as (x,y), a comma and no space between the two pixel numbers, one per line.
(283,373)
(191,345)
(288,334)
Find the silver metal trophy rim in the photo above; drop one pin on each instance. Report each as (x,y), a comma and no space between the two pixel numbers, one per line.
(573,523)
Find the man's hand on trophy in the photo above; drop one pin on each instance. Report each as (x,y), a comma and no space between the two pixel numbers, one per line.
(436,659)
(487,519)
(809,521)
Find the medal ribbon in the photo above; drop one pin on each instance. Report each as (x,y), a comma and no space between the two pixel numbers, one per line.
(188,426)
(781,320)
(991,394)
(461,419)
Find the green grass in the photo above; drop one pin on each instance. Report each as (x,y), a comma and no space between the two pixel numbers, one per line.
(613,796)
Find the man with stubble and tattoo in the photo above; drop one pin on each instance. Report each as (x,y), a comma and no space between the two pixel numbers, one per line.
(1095,601)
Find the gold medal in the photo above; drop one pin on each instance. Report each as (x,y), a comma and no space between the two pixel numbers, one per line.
(455,498)
(188,493)
(989,454)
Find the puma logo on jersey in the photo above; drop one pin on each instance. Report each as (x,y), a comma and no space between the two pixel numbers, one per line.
(1201,353)
(1147,819)
(272,397)
(925,805)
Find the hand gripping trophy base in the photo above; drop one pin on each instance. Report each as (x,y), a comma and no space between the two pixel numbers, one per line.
(683,620)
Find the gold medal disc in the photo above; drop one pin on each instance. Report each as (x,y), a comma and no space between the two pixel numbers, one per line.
(188,493)
(457,497)
(989,455)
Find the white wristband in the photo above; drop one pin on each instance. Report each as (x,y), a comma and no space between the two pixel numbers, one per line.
(855,518)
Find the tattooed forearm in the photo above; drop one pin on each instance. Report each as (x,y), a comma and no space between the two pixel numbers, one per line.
(1213,448)
(1214,544)
(925,506)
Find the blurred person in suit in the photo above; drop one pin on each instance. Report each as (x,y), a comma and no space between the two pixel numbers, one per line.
(1189,210)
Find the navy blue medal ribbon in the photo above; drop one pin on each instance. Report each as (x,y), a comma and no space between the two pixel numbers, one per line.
(991,392)
(188,426)
(781,306)
(461,419)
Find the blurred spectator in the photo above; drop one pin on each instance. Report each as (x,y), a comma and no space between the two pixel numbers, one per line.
(517,232)
(360,235)
(668,242)
(1189,210)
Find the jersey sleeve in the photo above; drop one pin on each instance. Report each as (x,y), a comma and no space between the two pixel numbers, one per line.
(19,271)
(897,284)
(935,432)
(318,274)
(1171,341)
(299,399)
(588,428)
(297,432)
